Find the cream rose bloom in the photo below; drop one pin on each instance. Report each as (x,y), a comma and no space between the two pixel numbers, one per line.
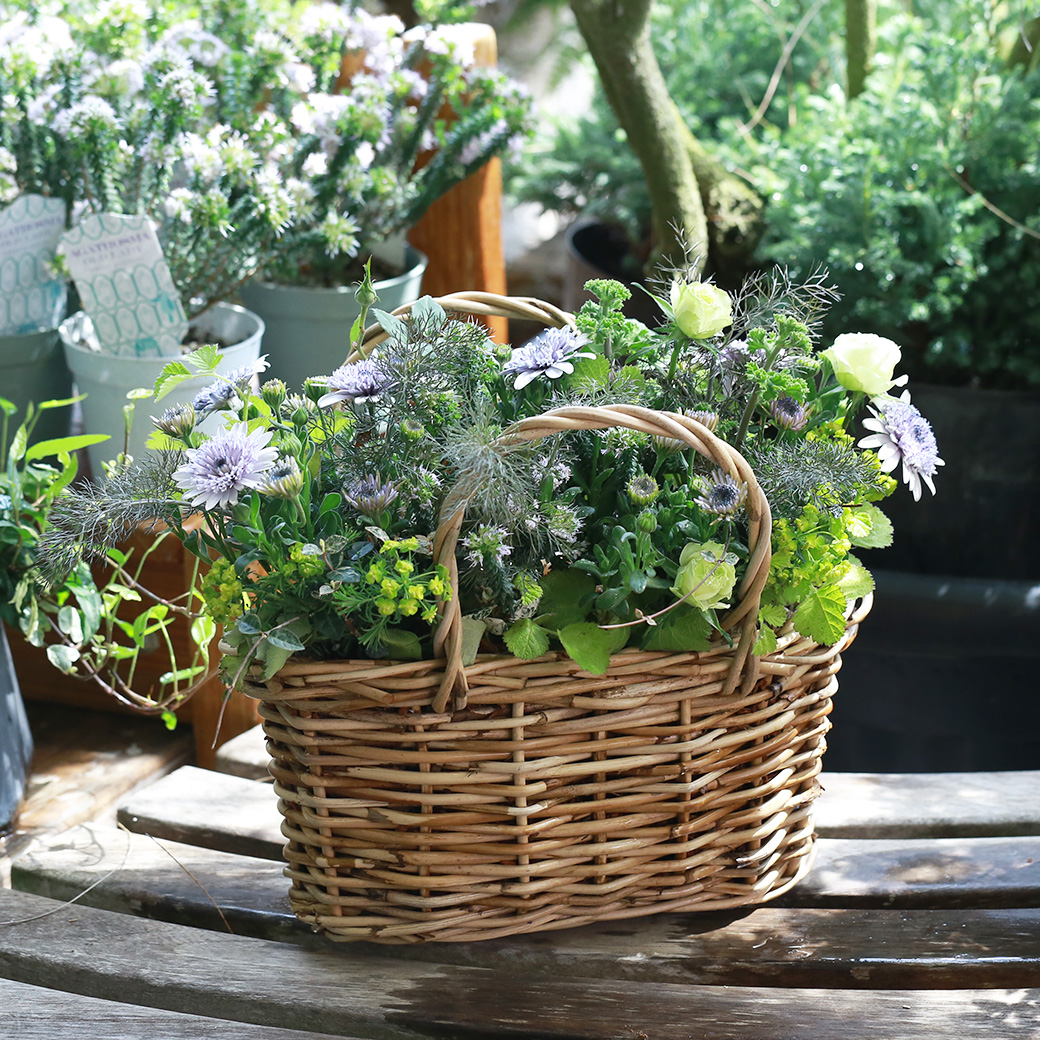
(865,362)
(701,309)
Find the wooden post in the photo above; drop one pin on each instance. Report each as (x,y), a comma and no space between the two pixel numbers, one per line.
(461,232)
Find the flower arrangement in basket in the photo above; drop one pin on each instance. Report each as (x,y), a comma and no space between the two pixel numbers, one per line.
(541,636)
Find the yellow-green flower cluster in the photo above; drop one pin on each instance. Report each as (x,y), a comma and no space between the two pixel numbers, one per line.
(223,592)
(398,590)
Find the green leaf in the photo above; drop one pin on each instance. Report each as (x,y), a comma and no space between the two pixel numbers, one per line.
(41,449)
(70,624)
(683,629)
(589,374)
(205,359)
(821,615)
(169,720)
(285,639)
(272,656)
(472,633)
(527,639)
(17,451)
(62,402)
(171,377)
(203,629)
(62,657)
(766,642)
(590,646)
(857,581)
(402,645)
(772,614)
(250,624)
(869,528)
(566,597)
(181,675)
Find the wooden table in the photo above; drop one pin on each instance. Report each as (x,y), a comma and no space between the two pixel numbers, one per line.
(919,920)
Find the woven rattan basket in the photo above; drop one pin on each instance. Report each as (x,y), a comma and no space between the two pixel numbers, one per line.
(428,801)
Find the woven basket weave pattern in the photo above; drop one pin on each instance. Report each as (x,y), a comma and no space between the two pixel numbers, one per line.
(430,801)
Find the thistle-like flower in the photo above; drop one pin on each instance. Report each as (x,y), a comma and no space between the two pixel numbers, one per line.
(370,496)
(788,413)
(217,472)
(903,435)
(552,354)
(723,496)
(642,489)
(356,383)
(177,421)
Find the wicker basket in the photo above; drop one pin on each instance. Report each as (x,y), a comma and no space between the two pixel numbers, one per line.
(428,801)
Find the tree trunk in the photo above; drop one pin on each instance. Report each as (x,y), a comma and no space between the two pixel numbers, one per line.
(696,201)
(860,39)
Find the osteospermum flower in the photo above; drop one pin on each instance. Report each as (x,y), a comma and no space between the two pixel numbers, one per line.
(226,393)
(788,413)
(552,354)
(221,469)
(370,496)
(723,495)
(283,480)
(356,383)
(903,435)
(176,421)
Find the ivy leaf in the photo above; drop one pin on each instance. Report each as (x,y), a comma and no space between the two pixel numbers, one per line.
(682,629)
(590,646)
(869,528)
(527,639)
(285,639)
(63,658)
(857,581)
(821,615)
(566,597)
(473,630)
(402,645)
(250,624)
(766,642)
(272,656)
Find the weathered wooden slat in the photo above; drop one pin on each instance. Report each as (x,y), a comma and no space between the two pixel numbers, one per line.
(245,755)
(769,946)
(200,807)
(105,955)
(193,806)
(925,805)
(853,805)
(34,1013)
(922,872)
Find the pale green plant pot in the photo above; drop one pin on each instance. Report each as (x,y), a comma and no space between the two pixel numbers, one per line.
(308,328)
(107,379)
(32,368)
(16,745)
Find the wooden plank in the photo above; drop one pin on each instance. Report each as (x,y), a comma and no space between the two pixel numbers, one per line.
(922,872)
(767,946)
(919,872)
(210,809)
(34,1013)
(344,993)
(245,755)
(928,805)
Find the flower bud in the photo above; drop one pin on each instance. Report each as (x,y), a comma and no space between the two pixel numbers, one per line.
(647,521)
(273,392)
(642,490)
(701,309)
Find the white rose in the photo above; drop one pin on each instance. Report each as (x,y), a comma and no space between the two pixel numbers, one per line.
(701,310)
(865,362)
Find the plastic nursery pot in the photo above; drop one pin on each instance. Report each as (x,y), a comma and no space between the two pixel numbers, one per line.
(16,744)
(308,328)
(106,379)
(32,368)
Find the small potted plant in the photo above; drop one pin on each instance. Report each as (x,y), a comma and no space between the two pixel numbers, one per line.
(536,619)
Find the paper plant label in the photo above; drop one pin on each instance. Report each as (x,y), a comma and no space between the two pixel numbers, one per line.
(32,295)
(125,286)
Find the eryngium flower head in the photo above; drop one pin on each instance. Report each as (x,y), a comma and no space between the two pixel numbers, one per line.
(356,383)
(552,354)
(284,479)
(370,496)
(788,413)
(177,421)
(221,469)
(903,435)
(723,496)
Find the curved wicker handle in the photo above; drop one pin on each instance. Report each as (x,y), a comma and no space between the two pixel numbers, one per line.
(476,304)
(448,638)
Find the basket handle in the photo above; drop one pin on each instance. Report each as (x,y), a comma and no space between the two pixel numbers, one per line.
(448,637)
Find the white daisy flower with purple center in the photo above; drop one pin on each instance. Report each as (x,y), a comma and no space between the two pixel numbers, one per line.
(226,465)
(356,383)
(552,354)
(226,393)
(903,435)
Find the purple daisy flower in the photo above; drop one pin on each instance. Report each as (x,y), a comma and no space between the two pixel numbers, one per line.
(226,393)
(356,383)
(228,463)
(370,496)
(788,413)
(552,354)
(903,435)
(723,496)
